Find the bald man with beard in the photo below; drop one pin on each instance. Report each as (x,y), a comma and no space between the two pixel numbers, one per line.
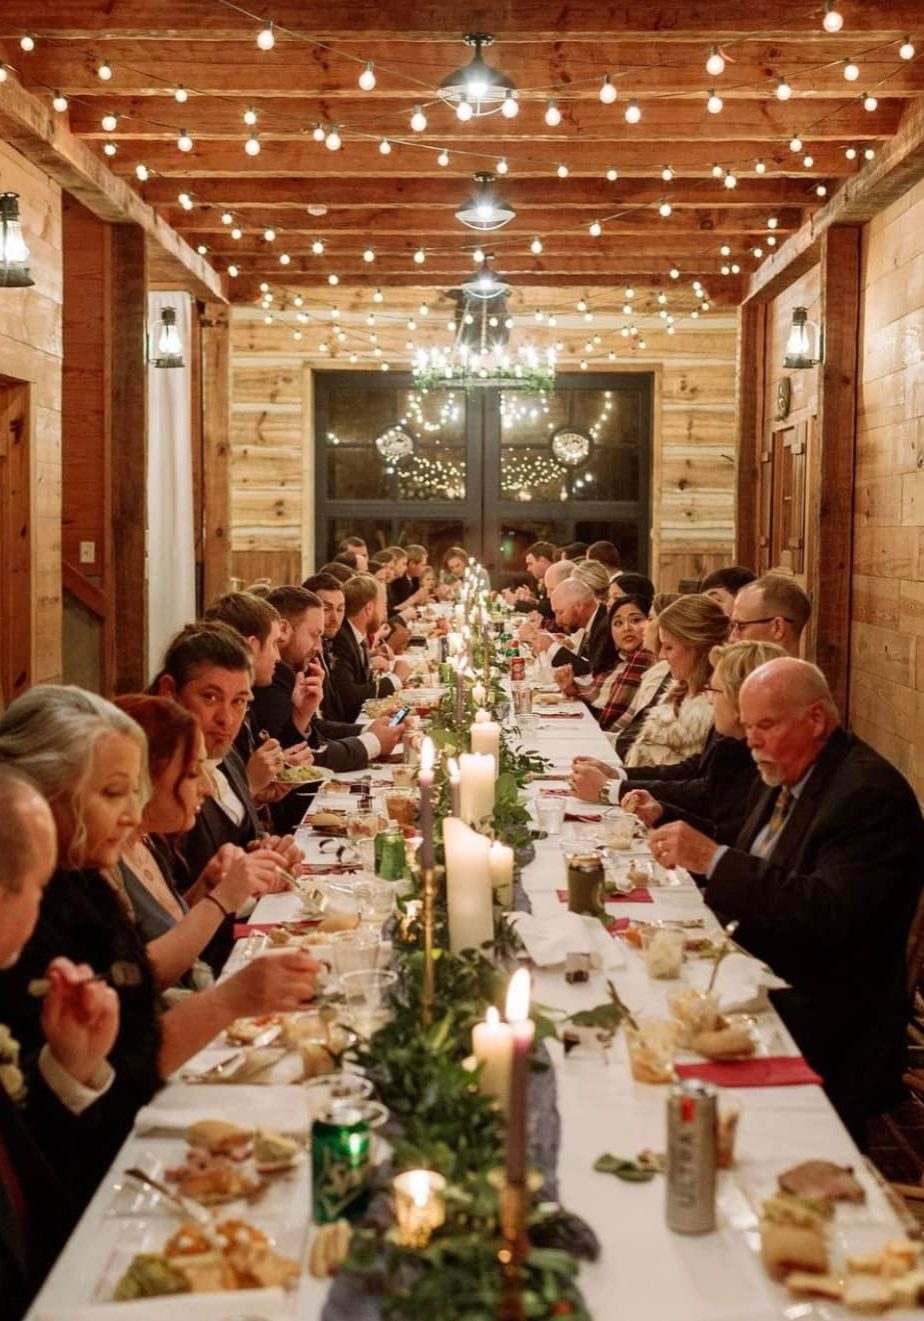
(825,879)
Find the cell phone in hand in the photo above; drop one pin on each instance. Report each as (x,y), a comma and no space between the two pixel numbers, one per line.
(400,714)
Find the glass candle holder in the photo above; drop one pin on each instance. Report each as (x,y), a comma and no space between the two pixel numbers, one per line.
(419,1206)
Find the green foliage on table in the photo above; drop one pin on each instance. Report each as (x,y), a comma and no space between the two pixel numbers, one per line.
(630,1171)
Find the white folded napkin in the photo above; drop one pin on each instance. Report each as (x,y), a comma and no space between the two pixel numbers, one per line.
(741,984)
(549,939)
(248,1105)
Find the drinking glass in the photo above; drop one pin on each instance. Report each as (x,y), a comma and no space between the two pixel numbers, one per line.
(366,995)
(375,900)
(664,948)
(652,1046)
(551,813)
(618,830)
(354,951)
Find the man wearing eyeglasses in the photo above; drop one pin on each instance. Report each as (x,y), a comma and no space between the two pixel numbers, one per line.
(770,609)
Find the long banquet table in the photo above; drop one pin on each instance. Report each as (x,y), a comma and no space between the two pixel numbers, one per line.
(644,1270)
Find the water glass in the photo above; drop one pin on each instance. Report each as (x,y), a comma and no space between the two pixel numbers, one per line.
(618,830)
(366,995)
(551,813)
(664,949)
(375,900)
(652,1046)
(354,951)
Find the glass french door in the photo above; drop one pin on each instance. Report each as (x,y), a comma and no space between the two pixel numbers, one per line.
(489,469)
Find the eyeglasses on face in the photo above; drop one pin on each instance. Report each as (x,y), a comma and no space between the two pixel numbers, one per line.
(739,624)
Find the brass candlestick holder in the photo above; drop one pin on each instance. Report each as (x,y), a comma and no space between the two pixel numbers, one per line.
(514,1199)
(428,877)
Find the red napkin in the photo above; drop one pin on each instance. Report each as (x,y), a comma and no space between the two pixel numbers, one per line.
(618,924)
(244,929)
(559,715)
(768,1071)
(556,793)
(637,896)
(583,816)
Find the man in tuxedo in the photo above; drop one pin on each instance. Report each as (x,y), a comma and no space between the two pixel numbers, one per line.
(824,879)
(287,708)
(404,592)
(576,607)
(81,1019)
(772,608)
(358,676)
(538,558)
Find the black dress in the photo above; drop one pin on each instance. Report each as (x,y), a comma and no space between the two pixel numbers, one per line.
(83,918)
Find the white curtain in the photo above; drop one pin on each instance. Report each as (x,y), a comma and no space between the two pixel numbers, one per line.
(171,555)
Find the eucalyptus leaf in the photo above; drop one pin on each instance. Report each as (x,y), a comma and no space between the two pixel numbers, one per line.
(628,1170)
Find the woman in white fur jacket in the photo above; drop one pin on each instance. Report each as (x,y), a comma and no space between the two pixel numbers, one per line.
(677,725)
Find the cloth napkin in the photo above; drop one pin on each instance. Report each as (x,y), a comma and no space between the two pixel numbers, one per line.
(549,939)
(246,1105)
(741,984)
(766,1071)
(637,896)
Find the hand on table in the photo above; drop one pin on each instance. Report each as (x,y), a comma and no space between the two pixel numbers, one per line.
(646,808)
(564,677)
(401,670)
(611,772)
(380,665)
(264,765)
(80,1018)
(679,845)
(274,984)
(587,783)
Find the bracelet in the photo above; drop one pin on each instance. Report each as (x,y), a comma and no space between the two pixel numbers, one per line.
(218,904)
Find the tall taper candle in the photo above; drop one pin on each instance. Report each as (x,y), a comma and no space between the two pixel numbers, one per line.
(455,785)
(426,804)
(517,1014)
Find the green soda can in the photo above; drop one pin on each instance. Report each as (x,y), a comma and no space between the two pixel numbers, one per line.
(341,1164)
(389,855)
(447,674)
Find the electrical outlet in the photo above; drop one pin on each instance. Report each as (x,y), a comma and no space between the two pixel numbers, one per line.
(88,552)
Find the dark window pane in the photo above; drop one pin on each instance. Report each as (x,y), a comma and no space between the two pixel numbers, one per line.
(435,423)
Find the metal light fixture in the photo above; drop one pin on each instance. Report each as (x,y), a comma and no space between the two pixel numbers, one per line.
(477,85)
(486,284)
(14,255)
(169,344)
(485,211)
(804,345)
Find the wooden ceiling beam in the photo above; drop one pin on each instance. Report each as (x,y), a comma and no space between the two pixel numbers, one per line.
(32,129)
(632,20)
(369,223)
(401,249)
(247,287)
(145,71)
(442,266)
(896,169)
(672,119)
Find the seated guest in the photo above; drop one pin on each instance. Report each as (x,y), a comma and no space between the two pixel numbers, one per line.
(610,690)
(455,562)
(723,585)
(710,791)
(405,591)
(773,608)
(339,571)
(42,1101)
(526,603)
(329,591)
(176,930)
(353,669)
(350,561)
(608,556)
(398,575)
(356,547)
(575,550)
(381,566)
(824,879)
(539,558)
(207,669)
(87,758)
(631,584)
(576,608)
(288,707)
(677,720)
(595,576)
(428,581)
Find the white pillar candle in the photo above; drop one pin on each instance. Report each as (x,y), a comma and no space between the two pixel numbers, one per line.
(477,774)
(500,859)
(479,693)
(486,737)
(468,886)
(492,1046)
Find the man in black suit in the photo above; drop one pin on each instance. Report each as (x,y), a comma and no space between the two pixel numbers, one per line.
(287,708)
(576,607)
(357,675)
(825,879)
(81,1020)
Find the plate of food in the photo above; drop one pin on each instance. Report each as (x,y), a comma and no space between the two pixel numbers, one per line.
(302,775)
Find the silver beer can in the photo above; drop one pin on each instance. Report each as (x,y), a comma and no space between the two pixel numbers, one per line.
(692,1125)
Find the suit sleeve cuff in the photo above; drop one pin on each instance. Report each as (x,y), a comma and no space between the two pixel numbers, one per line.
(371,744)
(395,681)
(716,859)
(73,1095)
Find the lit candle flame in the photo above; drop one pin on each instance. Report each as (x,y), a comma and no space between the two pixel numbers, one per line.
(517,1010)
(418,1182)
(426,755)
(492,1017)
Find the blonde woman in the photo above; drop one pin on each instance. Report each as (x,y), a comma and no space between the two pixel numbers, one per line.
(594,575)
(709,791)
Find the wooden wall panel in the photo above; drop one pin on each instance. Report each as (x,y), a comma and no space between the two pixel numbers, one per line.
(887,614)
(31,351)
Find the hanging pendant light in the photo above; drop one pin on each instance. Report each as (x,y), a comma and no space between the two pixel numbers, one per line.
(478,85)
(169,344)
(803,347)
(14,255)
(486,284)
(484,210)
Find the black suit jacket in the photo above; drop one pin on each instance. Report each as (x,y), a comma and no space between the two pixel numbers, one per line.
(334,742)
(584,661)
(352,676)
(213,825)
(710,793)
(830,910)
(399,589)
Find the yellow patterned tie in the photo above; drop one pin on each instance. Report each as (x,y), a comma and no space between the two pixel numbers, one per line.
(784,801)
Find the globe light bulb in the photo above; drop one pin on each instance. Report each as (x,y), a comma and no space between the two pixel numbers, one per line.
(378,296)
(510,107)
(808,161)
(418,120)
(420,256)
(772,222)
(664,209)
(318,133)
(833,20)
(367,77)
(385,147)
(795,144)
(821,190)
(266,37)
(850,153)
(906,49)
(536,246)
(284,259)
(608,92)
(667,174)
(184,141)
(226,217)
(104,71)
(59,103)
(562,171)
(252,145)
(783,90)
(851,71)
(237,232)
(674,273)
(612,174)
(233,271)
(715,64)
(269,235)
(27,43)
(141,172)
(718,171)
(714,103)
(869,153)
(596,229)
(730,180)
(109,122)
(870,103)
(180,95)
(443,158)
(465,110)
(110,148)
(760,167)
(552,114)
(333,279)
(250,116)
(633,112)
(333,141)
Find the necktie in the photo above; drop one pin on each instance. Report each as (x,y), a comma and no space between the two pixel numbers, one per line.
(784,801)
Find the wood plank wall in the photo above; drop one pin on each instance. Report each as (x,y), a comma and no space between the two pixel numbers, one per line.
(31,351)
(693,483)
(887,624)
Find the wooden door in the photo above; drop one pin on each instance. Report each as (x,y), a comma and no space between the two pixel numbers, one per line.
(15,539)
(788,537)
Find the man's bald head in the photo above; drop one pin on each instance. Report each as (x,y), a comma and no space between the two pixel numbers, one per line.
(28,853)
(788,714)
(574,603)
(557,573)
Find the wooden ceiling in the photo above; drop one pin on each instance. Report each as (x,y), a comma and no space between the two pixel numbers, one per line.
(356,199)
